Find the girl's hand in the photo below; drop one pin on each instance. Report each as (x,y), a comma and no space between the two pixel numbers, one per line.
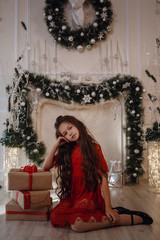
(61,141)
(112,216)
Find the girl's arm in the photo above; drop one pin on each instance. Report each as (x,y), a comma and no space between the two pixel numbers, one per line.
(48,163)
(111,214)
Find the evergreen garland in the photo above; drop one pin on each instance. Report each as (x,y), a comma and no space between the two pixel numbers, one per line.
(83,37)
(84,94)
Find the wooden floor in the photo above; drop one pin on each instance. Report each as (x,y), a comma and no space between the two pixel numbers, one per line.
(134,197)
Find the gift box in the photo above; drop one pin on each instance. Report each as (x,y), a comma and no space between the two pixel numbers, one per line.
(32,199)
(20,180)
(115,179)
(15,212)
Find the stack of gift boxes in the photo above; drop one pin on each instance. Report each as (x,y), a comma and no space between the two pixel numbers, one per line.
(30,194)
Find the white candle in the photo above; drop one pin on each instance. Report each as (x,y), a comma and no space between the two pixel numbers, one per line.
(45,47)
(106,50)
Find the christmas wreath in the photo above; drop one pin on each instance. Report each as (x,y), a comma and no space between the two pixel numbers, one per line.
(78,24)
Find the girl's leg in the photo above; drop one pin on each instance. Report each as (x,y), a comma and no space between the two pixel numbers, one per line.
(81,226)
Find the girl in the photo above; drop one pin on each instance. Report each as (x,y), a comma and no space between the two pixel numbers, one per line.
(83,187)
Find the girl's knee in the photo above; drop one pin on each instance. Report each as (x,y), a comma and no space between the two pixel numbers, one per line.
(78,226)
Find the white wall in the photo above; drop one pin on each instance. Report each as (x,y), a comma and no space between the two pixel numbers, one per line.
(135,27)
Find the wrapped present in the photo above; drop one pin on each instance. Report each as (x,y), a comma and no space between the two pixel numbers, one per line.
(115,179)
(32,199)
(28,179)
(15,212)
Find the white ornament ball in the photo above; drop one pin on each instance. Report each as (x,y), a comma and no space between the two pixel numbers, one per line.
(59,39)
(109,28)
(104,9)
(136,151)
(80,48)
(137,89)
(24,90)
(114,82)
(35,150)
(64,27)
(93,41)
(78,90)
(95,24)
(134,174)
(144,90)
(138,134)
(128,157)
(28,138)
(101,1)
(82,34)
(49,17)
(47,94)
(66,87)
(97,13)
(57,9)
(88,47)
(93,94)
(23,104)
(50,30)
(133,112)
(128,138)
(101,95)
(131,101)
(38,90)
(138,115)
(129,129)
(136,168)
(57,90)
(70,38)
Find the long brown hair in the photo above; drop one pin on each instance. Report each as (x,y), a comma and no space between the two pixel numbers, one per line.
(90,159)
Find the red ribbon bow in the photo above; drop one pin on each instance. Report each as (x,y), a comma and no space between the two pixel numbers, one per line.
(29,169)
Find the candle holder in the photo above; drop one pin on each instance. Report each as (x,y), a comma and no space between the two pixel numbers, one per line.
(153,155)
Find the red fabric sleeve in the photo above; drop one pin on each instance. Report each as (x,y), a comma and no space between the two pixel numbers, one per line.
(102,159)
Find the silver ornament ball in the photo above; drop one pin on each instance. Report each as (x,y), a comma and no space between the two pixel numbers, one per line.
(38,90)
(93,41)
(136,151)
(64,27)
(70,38)
(95,24)
(49,17)
(80,48)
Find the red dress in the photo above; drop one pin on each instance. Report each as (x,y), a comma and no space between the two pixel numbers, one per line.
(88,206)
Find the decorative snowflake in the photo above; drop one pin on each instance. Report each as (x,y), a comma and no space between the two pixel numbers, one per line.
(102,101)
(126,85)
(52,24)
(104,15)
(101,36)
(87,98)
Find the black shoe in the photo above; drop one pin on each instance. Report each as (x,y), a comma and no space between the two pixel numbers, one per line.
(146,218)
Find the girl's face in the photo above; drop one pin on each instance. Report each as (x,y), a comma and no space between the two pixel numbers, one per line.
(69,131)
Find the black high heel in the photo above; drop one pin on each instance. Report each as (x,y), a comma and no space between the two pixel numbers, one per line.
(146,218)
